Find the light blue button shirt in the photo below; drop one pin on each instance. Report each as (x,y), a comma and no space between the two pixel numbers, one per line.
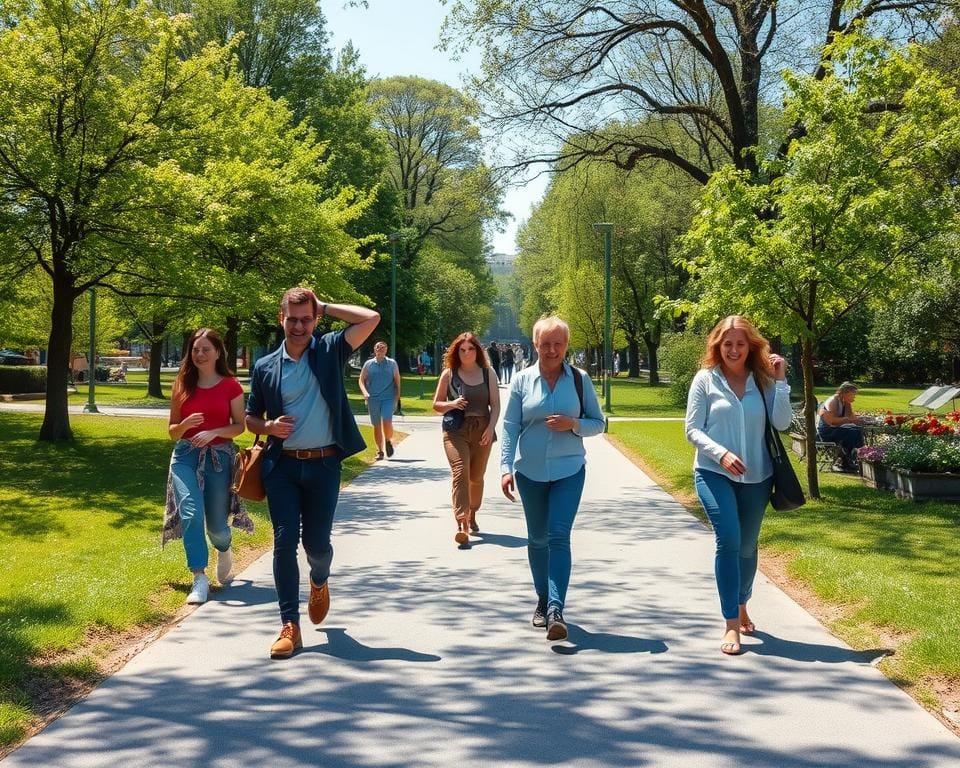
(717,422)
(302,398)
(528,446)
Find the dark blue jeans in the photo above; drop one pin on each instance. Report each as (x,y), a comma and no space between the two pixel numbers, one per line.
(848,436)
(302,497)
(736,512)
(550,509)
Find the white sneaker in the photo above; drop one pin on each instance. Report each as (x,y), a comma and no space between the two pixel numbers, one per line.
(224,566)
(200,591)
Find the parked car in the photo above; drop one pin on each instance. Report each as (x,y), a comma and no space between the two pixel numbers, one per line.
(12,357)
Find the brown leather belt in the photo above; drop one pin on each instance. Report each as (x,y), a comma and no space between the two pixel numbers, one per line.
(312,453)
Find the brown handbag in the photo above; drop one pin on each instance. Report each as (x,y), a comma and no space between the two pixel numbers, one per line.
(247,477)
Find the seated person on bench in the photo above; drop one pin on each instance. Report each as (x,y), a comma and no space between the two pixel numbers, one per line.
(837,423)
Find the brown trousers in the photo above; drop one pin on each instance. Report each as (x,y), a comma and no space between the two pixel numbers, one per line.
(468,462)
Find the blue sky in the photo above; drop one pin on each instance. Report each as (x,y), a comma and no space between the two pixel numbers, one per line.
(399,37)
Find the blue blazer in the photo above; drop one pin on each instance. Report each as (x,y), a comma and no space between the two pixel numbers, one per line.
(327,355)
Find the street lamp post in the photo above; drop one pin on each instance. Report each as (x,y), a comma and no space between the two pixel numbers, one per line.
(394,236)
(607,230)
(91,406)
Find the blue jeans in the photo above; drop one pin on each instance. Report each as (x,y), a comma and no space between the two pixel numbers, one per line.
(848,436)
(550,509)
(302,497)
(196,505)
(736,512)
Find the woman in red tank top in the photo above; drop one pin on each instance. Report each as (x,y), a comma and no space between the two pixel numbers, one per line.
(206,413)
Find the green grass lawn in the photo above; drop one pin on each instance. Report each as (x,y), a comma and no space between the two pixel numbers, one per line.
(80,536)
(892,565)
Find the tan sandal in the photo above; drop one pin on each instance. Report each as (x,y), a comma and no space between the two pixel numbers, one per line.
(731,649)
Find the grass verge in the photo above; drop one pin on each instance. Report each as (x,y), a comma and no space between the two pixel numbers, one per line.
(880,572)
(83,569)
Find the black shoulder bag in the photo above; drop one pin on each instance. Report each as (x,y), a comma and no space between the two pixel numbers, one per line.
(454,418)
(786,493)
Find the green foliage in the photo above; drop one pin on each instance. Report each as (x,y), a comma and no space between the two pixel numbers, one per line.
(680,357)
(561,263)
(854,201)
(18,379)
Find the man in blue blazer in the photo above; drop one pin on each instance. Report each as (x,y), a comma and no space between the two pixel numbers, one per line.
(298,399)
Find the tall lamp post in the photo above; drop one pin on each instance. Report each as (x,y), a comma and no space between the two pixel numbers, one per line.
(394,236)
(606,229)
(91,406)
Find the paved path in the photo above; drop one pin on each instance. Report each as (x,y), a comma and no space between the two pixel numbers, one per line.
(428,658)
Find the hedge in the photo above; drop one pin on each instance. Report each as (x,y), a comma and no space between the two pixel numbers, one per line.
(17,379)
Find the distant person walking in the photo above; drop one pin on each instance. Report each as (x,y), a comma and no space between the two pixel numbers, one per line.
(380,385)
(506,362)
(298,399)
(206,413)
(551,408)
(493,355)
(469,384)
(740,385)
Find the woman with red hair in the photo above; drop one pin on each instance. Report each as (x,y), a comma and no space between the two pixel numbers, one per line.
(739,387)
(470,385)
(206,413)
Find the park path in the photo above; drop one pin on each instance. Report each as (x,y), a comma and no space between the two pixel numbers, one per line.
(428,658)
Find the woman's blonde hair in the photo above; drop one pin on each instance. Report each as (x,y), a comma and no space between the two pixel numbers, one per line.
(758,358)
(549,323)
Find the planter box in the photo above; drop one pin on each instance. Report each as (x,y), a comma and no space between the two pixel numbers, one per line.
(877,475)
(798,444)
(942,486)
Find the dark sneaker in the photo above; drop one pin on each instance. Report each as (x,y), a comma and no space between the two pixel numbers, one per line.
(556,627)
(389,448)
(540,615)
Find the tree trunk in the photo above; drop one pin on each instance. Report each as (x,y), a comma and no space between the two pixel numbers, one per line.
(56,417)
(809,417)
(157,328)
(634,364)
(654,364)
(230,341)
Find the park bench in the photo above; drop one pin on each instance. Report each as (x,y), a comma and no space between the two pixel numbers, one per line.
(828,452)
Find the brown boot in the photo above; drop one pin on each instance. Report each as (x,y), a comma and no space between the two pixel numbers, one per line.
(288,642)
(319,603)
(462,536)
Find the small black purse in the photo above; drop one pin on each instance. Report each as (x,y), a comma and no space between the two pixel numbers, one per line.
(454,418)
(786,493)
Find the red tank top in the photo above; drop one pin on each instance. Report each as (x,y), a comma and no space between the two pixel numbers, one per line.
(214,404)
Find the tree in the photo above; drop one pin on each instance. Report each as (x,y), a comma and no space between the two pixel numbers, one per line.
(649,210)
(557,70)
(94,100)
(445,192)
(849,209)
(255,216)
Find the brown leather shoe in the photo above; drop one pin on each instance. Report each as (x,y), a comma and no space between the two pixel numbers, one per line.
(462,536)
(288,642)
(319,603)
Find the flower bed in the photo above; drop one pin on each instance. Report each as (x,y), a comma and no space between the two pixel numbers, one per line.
(922,464)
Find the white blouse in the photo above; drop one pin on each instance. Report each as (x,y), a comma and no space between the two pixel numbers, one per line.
(718,421)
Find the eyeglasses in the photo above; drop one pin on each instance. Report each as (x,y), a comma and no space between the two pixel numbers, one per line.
(295,321)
